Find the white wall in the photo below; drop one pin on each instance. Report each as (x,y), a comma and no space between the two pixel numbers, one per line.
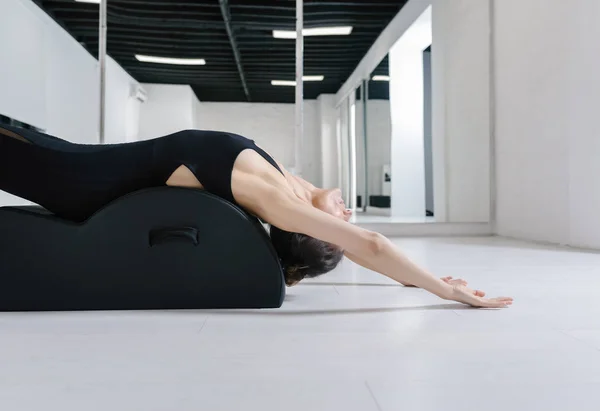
(329,146)
(122,110)
(196,112)
(48,80)
(168,109)
(583,130)
(379,136)
(72,89)
(461,110)
(311,145)
(272,127)
(546,121)
(531,130)
(407,111)
(22,47)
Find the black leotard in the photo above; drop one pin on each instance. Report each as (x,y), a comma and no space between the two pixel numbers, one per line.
(75,180)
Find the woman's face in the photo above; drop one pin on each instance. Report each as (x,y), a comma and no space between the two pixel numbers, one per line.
(332,203)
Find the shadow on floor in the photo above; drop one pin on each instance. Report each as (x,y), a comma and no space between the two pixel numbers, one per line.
(349,284)
(338,311)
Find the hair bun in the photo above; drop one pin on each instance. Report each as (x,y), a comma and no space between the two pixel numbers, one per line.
(293,274)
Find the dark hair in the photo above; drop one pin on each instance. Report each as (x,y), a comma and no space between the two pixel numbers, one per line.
(304,256)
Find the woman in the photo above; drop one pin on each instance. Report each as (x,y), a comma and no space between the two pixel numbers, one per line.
(309,226)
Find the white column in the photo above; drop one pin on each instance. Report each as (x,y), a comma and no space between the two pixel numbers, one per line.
(344,148)
(406,105)
(329,147)
(461,110)
(547,124)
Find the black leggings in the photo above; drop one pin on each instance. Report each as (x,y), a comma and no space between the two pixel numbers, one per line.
(75,180)
(72,180)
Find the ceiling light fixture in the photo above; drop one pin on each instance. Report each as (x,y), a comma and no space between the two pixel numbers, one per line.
(317,31)
(293,82)
(283,83)
(380,78)
(170,60)
(89,1)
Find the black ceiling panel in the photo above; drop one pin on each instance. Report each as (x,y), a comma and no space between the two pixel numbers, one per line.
(198,29)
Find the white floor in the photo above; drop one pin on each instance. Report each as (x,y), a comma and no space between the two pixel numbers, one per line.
(349,341)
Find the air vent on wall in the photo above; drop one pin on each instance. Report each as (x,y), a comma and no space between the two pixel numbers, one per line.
(138,93)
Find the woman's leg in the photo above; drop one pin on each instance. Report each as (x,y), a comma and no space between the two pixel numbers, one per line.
(14,135)
(37,138)
(31,169)
(72,180)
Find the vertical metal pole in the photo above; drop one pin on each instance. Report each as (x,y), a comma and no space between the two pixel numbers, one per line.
(299,87)
(365,99)
(344,150)
(102,61)
(352,149)
(492,70)
(338,141)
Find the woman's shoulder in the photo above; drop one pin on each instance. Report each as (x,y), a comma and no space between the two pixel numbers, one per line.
(253,179)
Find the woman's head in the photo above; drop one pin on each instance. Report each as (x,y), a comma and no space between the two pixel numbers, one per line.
(303,256)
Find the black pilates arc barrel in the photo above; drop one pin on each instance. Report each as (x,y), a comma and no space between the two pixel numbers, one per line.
(159,248)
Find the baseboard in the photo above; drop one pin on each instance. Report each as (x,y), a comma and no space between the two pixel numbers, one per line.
(551,245)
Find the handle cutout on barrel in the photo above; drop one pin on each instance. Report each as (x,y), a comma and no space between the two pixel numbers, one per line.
(160,236)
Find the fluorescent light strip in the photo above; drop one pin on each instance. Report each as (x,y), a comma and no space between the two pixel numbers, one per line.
(313,78)
(380,78)
(169,60)
(89,1)
(293,82)
(283,83)
(317,31)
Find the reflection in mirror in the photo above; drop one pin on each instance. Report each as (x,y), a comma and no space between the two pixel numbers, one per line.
(373,129)
(343,139)
(352,143)
(359,158)
(427,132)
(410,106)
(360,124)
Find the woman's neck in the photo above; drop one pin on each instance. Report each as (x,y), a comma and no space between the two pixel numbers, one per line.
(302,189)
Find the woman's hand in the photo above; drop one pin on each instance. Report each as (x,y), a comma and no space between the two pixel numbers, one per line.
(475,298)
(462,294)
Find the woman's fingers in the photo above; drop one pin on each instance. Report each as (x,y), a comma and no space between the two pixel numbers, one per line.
(499,302)
(450,280)
(476,298)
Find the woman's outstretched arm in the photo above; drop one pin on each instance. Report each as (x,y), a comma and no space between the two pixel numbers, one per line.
(361,262)
(372,249)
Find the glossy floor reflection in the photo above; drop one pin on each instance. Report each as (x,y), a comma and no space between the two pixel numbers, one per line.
(351,340)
